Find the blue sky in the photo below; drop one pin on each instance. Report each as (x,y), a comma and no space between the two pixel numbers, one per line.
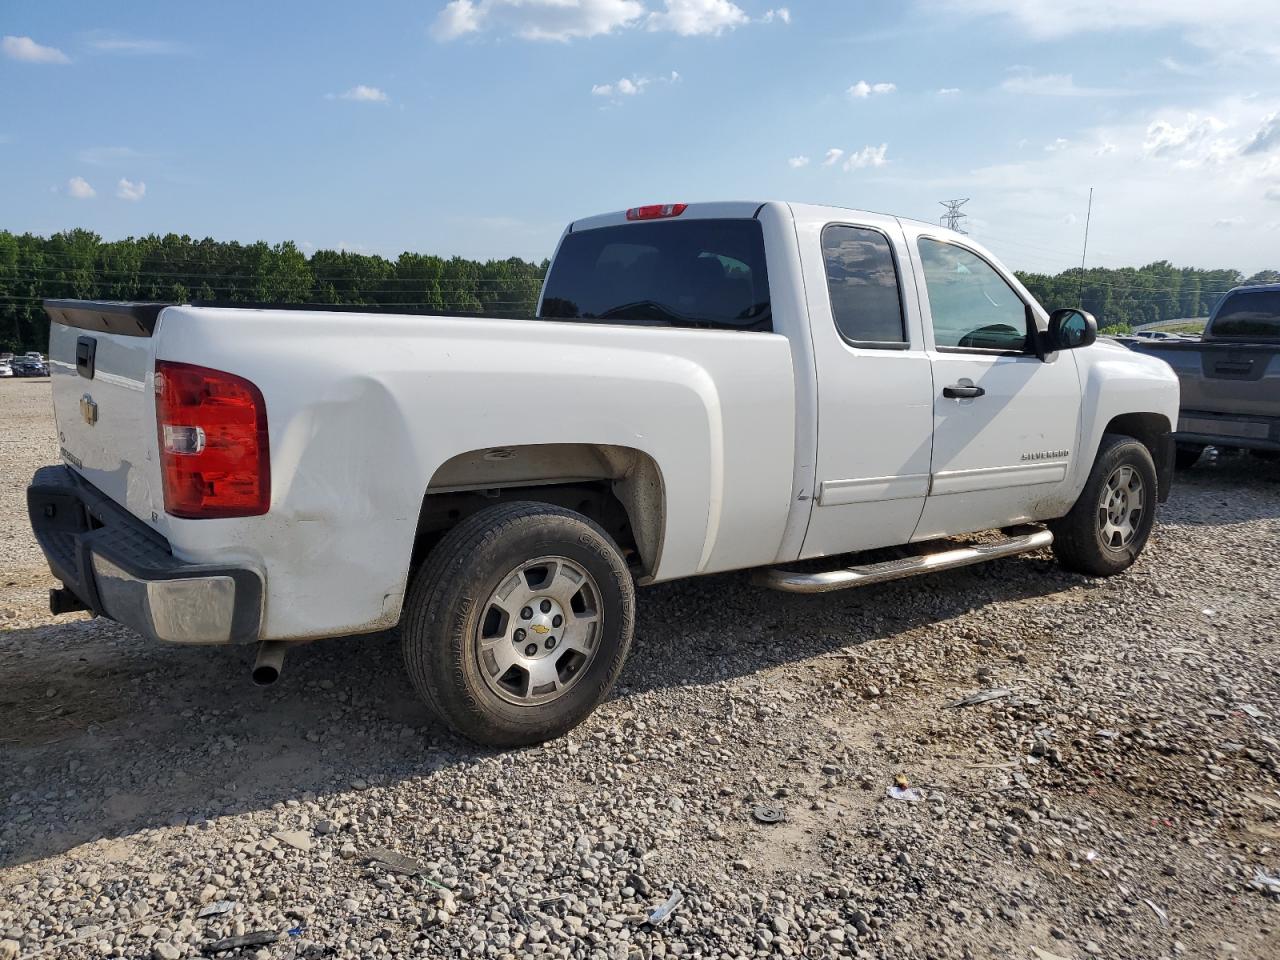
(479,127)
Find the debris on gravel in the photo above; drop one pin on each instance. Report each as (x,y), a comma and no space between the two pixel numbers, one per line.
(1122,801)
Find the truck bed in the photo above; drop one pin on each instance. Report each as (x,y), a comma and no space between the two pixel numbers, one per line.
(366,408)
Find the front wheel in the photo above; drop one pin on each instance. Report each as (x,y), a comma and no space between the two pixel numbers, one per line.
(518,624)
(1112,520)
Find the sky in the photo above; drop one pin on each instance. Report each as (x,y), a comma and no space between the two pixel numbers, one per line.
(481,127)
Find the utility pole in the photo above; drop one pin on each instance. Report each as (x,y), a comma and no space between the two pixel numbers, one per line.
(1085,251)
(952,218)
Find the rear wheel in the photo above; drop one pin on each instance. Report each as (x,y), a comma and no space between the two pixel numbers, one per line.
(518,624)
(1187,455)
(1111,522)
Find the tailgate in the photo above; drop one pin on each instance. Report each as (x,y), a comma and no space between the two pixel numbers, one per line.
(1235,379)
(101,362)
(1221,377)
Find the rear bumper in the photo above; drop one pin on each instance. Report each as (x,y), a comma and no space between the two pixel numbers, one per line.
(1228,430)
(120,568)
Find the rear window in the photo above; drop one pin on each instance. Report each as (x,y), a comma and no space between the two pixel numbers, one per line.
(1246,315)
(697,273)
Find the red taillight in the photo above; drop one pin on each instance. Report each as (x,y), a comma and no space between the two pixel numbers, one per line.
(214,456)
(657,211)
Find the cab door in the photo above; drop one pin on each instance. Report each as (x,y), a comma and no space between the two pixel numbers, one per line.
(1005,419)
(875,386)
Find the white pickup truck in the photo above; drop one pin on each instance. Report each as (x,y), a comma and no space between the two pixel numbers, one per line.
(705,387)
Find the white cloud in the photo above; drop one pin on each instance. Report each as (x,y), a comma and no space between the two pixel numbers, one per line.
(948,91)
(1153,157)
(1273,193)
(1226,25)
(1059,18)
(79,188)
(128,190)
(1191,143)
(458,18)
(536,19)
(795,163)
(867,157)
(563,20)
(136,46)
(1058,144)
(1228,222)
(691,18)
(1175,66)
(105,156)
(631,86)
(27,50)
(861,90)
(1026,82)
(361,93)
(1266,138)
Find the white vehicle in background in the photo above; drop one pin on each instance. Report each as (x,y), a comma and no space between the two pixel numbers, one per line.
(704,388)
(6,370)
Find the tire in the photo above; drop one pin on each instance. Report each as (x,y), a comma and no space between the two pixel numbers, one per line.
(506,677)
(1088,539)
(1187,455)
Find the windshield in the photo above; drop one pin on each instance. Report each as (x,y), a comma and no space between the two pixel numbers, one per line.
(1248,315)
(701,273)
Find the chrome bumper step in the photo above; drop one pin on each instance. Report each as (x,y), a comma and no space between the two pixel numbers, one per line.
(1016,540)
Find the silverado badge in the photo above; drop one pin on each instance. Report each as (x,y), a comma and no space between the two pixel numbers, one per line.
(1047,455)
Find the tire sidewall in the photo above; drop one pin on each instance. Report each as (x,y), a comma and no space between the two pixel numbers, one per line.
(462,598)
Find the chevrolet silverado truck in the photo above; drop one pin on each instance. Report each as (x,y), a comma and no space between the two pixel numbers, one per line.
(703,388)
(1230,378)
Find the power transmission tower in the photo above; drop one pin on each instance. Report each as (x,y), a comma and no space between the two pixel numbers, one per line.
(952,218)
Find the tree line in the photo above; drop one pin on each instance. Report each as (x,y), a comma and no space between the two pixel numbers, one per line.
(1128,297)
(79,264)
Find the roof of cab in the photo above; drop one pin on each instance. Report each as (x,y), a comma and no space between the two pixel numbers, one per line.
(716,210)
(737,210)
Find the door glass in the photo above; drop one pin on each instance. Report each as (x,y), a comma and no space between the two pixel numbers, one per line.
(862,282)
(973,307)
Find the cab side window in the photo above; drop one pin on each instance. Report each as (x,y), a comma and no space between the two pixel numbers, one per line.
(862,282)
(973,307)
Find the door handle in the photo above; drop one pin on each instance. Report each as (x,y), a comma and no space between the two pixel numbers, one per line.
(962,391)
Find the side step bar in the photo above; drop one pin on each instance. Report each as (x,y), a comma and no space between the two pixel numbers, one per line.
(1017,540)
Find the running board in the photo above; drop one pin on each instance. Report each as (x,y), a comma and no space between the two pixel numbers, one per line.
(1017,540)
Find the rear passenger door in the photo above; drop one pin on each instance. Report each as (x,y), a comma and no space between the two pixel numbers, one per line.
(875,388)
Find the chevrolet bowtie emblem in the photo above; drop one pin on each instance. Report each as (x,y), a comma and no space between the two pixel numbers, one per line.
(88,410)
(540,628)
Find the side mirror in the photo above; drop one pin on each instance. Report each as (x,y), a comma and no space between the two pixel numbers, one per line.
(1070,328)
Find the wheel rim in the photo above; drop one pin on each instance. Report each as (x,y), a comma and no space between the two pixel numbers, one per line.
(1120,507)
(539,631)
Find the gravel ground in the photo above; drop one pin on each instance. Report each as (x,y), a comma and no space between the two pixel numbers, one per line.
(1119,801)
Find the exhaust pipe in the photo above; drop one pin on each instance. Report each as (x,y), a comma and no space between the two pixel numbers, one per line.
(270,661)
